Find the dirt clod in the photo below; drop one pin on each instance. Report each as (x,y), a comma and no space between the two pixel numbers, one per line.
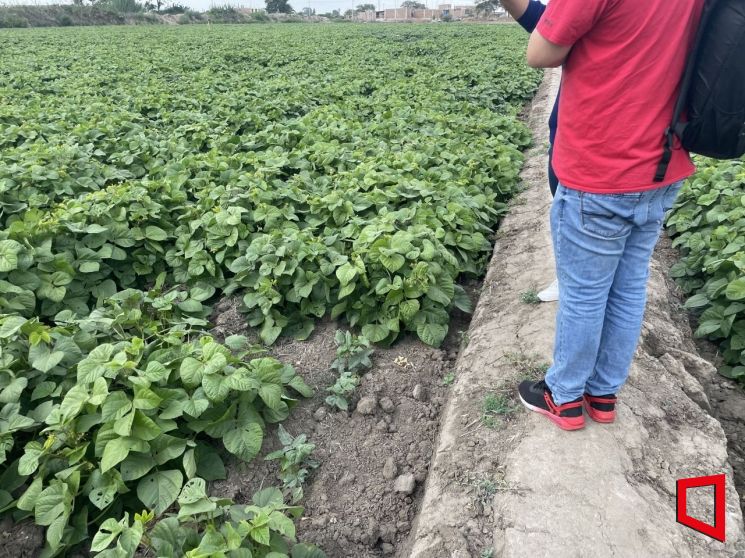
(367,405)
(386,403)
(405,484)
(419,393)
(389,469)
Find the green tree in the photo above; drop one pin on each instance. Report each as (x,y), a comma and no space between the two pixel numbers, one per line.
(365,7)
(413,5)
(279,7)
(487,7)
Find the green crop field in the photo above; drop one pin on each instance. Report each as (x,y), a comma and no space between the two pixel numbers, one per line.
(351,172)
(708,225)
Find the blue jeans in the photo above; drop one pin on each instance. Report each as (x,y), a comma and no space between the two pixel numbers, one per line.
(603,244)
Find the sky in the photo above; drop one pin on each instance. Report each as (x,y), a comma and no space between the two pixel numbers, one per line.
(321,6)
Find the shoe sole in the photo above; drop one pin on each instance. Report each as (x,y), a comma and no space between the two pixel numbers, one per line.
(561,422)
(603,417)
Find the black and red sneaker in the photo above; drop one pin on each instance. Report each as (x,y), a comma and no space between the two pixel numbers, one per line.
(537,397)
(601,408)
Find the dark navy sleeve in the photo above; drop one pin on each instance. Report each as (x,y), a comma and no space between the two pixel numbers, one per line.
(531,16)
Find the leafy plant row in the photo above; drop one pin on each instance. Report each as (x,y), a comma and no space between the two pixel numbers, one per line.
(363,195)
(354,173)
(120,410)
(708,224)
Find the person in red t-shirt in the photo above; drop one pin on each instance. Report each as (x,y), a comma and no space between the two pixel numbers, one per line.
(622,62)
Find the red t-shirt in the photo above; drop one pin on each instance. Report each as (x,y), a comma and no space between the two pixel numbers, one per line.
(619,87)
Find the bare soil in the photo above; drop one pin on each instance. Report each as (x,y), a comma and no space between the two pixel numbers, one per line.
(351,506)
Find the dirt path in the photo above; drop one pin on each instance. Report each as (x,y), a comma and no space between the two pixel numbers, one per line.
(508,484)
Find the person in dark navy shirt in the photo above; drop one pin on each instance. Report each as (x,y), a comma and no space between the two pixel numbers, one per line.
(529,21)
(528,13)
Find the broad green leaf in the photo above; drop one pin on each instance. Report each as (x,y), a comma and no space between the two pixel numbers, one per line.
(10,325)
(12,392)
(191,372)
(94,365)
(193,491)
(736,289)
(166,447)
(271,394)
(155,233)
(9,250)
(43,358)
(74,401)
(115,452)
(159,490)
(346,274)
(244,441)
(432,334)
(135,466)
(375,332)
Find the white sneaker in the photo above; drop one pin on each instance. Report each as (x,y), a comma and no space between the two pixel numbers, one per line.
(550,293)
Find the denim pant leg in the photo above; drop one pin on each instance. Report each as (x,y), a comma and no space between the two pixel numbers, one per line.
(628,295)
(589,237)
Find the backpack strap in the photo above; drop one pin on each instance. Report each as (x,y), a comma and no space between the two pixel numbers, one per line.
(677,128)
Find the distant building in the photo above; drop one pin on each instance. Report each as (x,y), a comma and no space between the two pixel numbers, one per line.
(416,15)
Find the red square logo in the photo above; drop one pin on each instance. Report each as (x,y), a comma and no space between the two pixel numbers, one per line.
(715,531)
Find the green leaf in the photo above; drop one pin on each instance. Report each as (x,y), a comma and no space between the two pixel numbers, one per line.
(167,447)
(135,466)
(736,289)
(269,333)
(145,399)
(10,325)
(116,406)
(104,488)
(107,533)
(144,428)
(432,334)
(438,295)
(215,387)
(189,463)
(9,250)
(159,490)
(462,301)
(115,452)
(268,497)
(697,301)
(12,392)
(89,267)
(375,332)
(271,394)
(191,372)
(209,464)
(299,385)
(28,499)
(155,233)
(155,372)
(94,365)
(346,274)
(43,359)
(193,491)
(74,401)
(392,262)
(244,441)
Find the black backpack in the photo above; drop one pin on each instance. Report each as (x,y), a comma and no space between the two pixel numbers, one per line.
(713,88)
